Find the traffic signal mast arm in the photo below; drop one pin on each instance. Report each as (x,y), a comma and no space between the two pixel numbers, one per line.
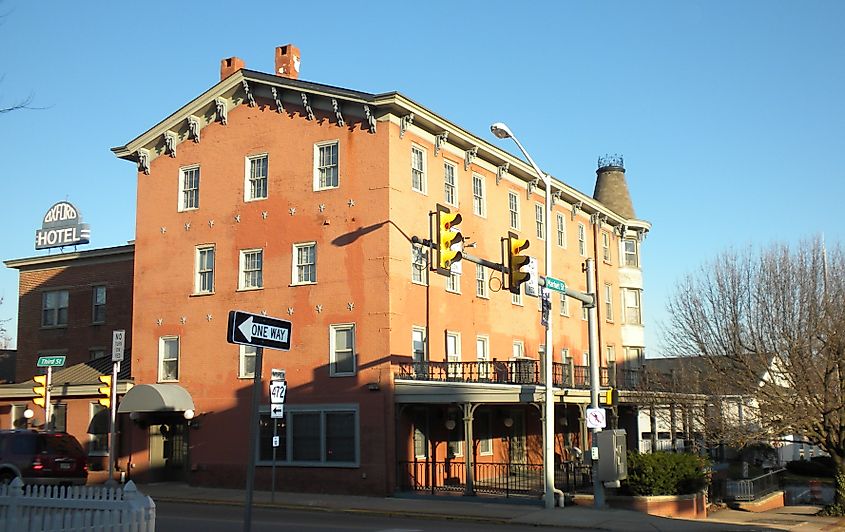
(587,299)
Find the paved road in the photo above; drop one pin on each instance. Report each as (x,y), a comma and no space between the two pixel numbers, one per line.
(180,517)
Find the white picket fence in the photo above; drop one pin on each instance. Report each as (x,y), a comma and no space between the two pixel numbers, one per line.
(75,509)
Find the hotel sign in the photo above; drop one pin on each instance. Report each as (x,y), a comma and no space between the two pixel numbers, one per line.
(62,226)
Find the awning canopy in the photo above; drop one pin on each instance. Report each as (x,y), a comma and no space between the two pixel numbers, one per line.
(156,398)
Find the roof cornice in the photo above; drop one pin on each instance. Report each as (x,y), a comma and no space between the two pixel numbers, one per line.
(101,255)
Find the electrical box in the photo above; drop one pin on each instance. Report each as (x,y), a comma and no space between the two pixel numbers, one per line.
(613,455)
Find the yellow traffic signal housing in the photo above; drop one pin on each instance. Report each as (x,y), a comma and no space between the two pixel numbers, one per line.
(105,390)
(447,238)
(40,390)
(516,261)
(609,397)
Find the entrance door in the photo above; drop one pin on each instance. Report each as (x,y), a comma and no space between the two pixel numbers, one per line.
(169,451)
(517,437)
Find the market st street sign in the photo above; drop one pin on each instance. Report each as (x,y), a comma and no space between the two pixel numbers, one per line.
(258,331)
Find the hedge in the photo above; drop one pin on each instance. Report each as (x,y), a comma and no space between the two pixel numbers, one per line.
(665,473)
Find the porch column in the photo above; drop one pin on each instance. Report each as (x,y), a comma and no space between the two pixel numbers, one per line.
(673,426)
(469,450)
(582,429)
(652,420)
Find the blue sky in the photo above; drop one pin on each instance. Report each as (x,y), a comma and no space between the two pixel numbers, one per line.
(729,114)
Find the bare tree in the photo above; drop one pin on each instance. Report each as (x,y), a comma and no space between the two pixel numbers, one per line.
(771,325)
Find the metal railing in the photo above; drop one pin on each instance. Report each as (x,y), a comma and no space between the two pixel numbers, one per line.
(754,488)
(526,371)
(496,478)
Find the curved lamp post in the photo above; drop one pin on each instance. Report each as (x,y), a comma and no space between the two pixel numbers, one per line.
(502,131)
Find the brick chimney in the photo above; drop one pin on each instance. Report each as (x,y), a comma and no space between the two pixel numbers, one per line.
(229,66)
(287,61)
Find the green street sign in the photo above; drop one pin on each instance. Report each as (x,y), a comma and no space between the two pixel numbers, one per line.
(55,361)
(555,284)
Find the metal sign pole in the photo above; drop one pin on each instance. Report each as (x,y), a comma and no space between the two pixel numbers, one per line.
(592,328)
(273,481)
(112,413)
(48,406)
(253,438)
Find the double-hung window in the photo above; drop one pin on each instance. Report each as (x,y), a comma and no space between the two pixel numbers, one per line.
(189,188)
(342,350)
(516,299)
(252,268)
(256,178)
(561,231)
(246,361)
(564,305)
(305,263)
(168,358)
(482,355)
(453,354)
(98,304)
(314,435)
(631,301)
(611,353)
(479,204)
(513,208)
(450,183)
(582,240)
(418,181)
(481,289)
(605,246)
(54,306)
(631,253)
(326,170)
(418,346)
(419,265)
(453,282)
(608,302)
(540,219)
(204,283)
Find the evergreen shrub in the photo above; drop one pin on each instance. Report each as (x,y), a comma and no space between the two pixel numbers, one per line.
(665,473)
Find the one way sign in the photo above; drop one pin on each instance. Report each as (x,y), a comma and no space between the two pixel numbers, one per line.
(259,331)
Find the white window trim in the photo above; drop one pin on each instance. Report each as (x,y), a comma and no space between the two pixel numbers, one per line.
(606,253)
(242,374)
(516,299)
(521,345)
(564,305)
(482,210)
(624,261)
(242,269)
(295,264)
(316,173)
(513,212)
(456,356)
(608,302)
(454,184)
(486,437)
(180,199)
(418,251)
(247,171)
(453,279)
(481,275)
(161,340)
(540,221)
(419,329)
(582,239)
(424,177)
(333,328)
(560,228)
(197,273)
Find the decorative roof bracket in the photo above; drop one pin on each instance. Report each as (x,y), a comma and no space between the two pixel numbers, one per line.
(371,120)
(532,185)
(439,140)
(249,95)
(194,128)
(170,143)
(278,99)
(575,208)
(404,123)
(469,156)
(337,113)
(501,171)
(307,106)
(222,111)
(144,160)
(557,195)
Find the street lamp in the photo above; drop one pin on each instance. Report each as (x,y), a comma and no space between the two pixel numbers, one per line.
(502,131)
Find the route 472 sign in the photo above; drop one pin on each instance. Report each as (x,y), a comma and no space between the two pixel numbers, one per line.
(259,331)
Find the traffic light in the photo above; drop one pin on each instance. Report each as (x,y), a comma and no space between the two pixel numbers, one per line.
(40,390)
(516,261)
(447,237)
(105,390)
(609,397)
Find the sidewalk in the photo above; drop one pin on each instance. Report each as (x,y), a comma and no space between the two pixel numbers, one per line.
(797,518)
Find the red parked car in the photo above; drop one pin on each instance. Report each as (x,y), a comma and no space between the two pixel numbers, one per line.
(42,458)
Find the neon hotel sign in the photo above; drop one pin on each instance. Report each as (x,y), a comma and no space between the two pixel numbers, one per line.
(62,226)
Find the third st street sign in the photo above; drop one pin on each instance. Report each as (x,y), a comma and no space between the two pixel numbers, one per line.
(259,331)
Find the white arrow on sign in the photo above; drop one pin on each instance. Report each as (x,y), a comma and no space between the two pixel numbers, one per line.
(252,330)
(277,411)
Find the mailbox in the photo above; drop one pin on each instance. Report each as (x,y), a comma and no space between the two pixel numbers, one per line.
(613,455)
